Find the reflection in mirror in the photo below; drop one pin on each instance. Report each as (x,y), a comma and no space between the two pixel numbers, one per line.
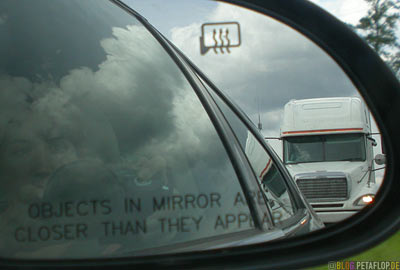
(285,204)
(108,150)
(273,184)
(301,100)
(105,148)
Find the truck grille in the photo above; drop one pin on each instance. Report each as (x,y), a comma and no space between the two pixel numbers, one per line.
(323,188)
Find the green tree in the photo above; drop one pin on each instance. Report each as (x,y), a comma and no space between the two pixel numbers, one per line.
(379,27)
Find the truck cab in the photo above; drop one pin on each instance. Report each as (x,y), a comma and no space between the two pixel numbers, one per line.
(328,149)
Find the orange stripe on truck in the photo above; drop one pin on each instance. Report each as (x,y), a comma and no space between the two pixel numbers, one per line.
(266,167)
(322,130)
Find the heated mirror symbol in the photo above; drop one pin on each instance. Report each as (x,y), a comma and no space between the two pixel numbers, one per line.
(219,37)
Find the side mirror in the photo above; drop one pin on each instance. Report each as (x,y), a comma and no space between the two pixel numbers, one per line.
(374,143)
(138,124)
(380,159)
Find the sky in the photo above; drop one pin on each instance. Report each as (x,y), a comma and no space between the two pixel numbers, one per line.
(345,10)
(279,51)
(273,65)
(176,13)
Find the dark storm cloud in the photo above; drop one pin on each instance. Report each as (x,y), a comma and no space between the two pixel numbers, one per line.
(136,103)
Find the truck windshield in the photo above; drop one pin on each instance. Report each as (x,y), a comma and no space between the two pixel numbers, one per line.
(339,147)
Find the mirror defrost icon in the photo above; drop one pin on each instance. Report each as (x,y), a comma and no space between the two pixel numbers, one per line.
(219,37)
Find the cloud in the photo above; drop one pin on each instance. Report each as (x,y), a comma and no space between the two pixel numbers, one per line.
(271,66)
(3,18)
(134,105)
(347,11)
(136,102)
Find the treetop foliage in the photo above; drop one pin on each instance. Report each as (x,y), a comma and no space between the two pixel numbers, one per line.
(379,27)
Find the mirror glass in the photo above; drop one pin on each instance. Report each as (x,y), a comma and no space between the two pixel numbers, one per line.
(302,102)
(108,149)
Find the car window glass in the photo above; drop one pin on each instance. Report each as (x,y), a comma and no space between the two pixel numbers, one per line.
(273,183)
(105,148)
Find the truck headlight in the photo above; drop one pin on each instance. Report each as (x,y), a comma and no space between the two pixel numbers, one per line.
(364,200)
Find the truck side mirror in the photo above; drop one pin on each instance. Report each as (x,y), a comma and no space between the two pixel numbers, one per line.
(380,159)
(374,143)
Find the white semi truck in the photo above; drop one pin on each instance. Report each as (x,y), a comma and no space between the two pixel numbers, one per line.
(328,149)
